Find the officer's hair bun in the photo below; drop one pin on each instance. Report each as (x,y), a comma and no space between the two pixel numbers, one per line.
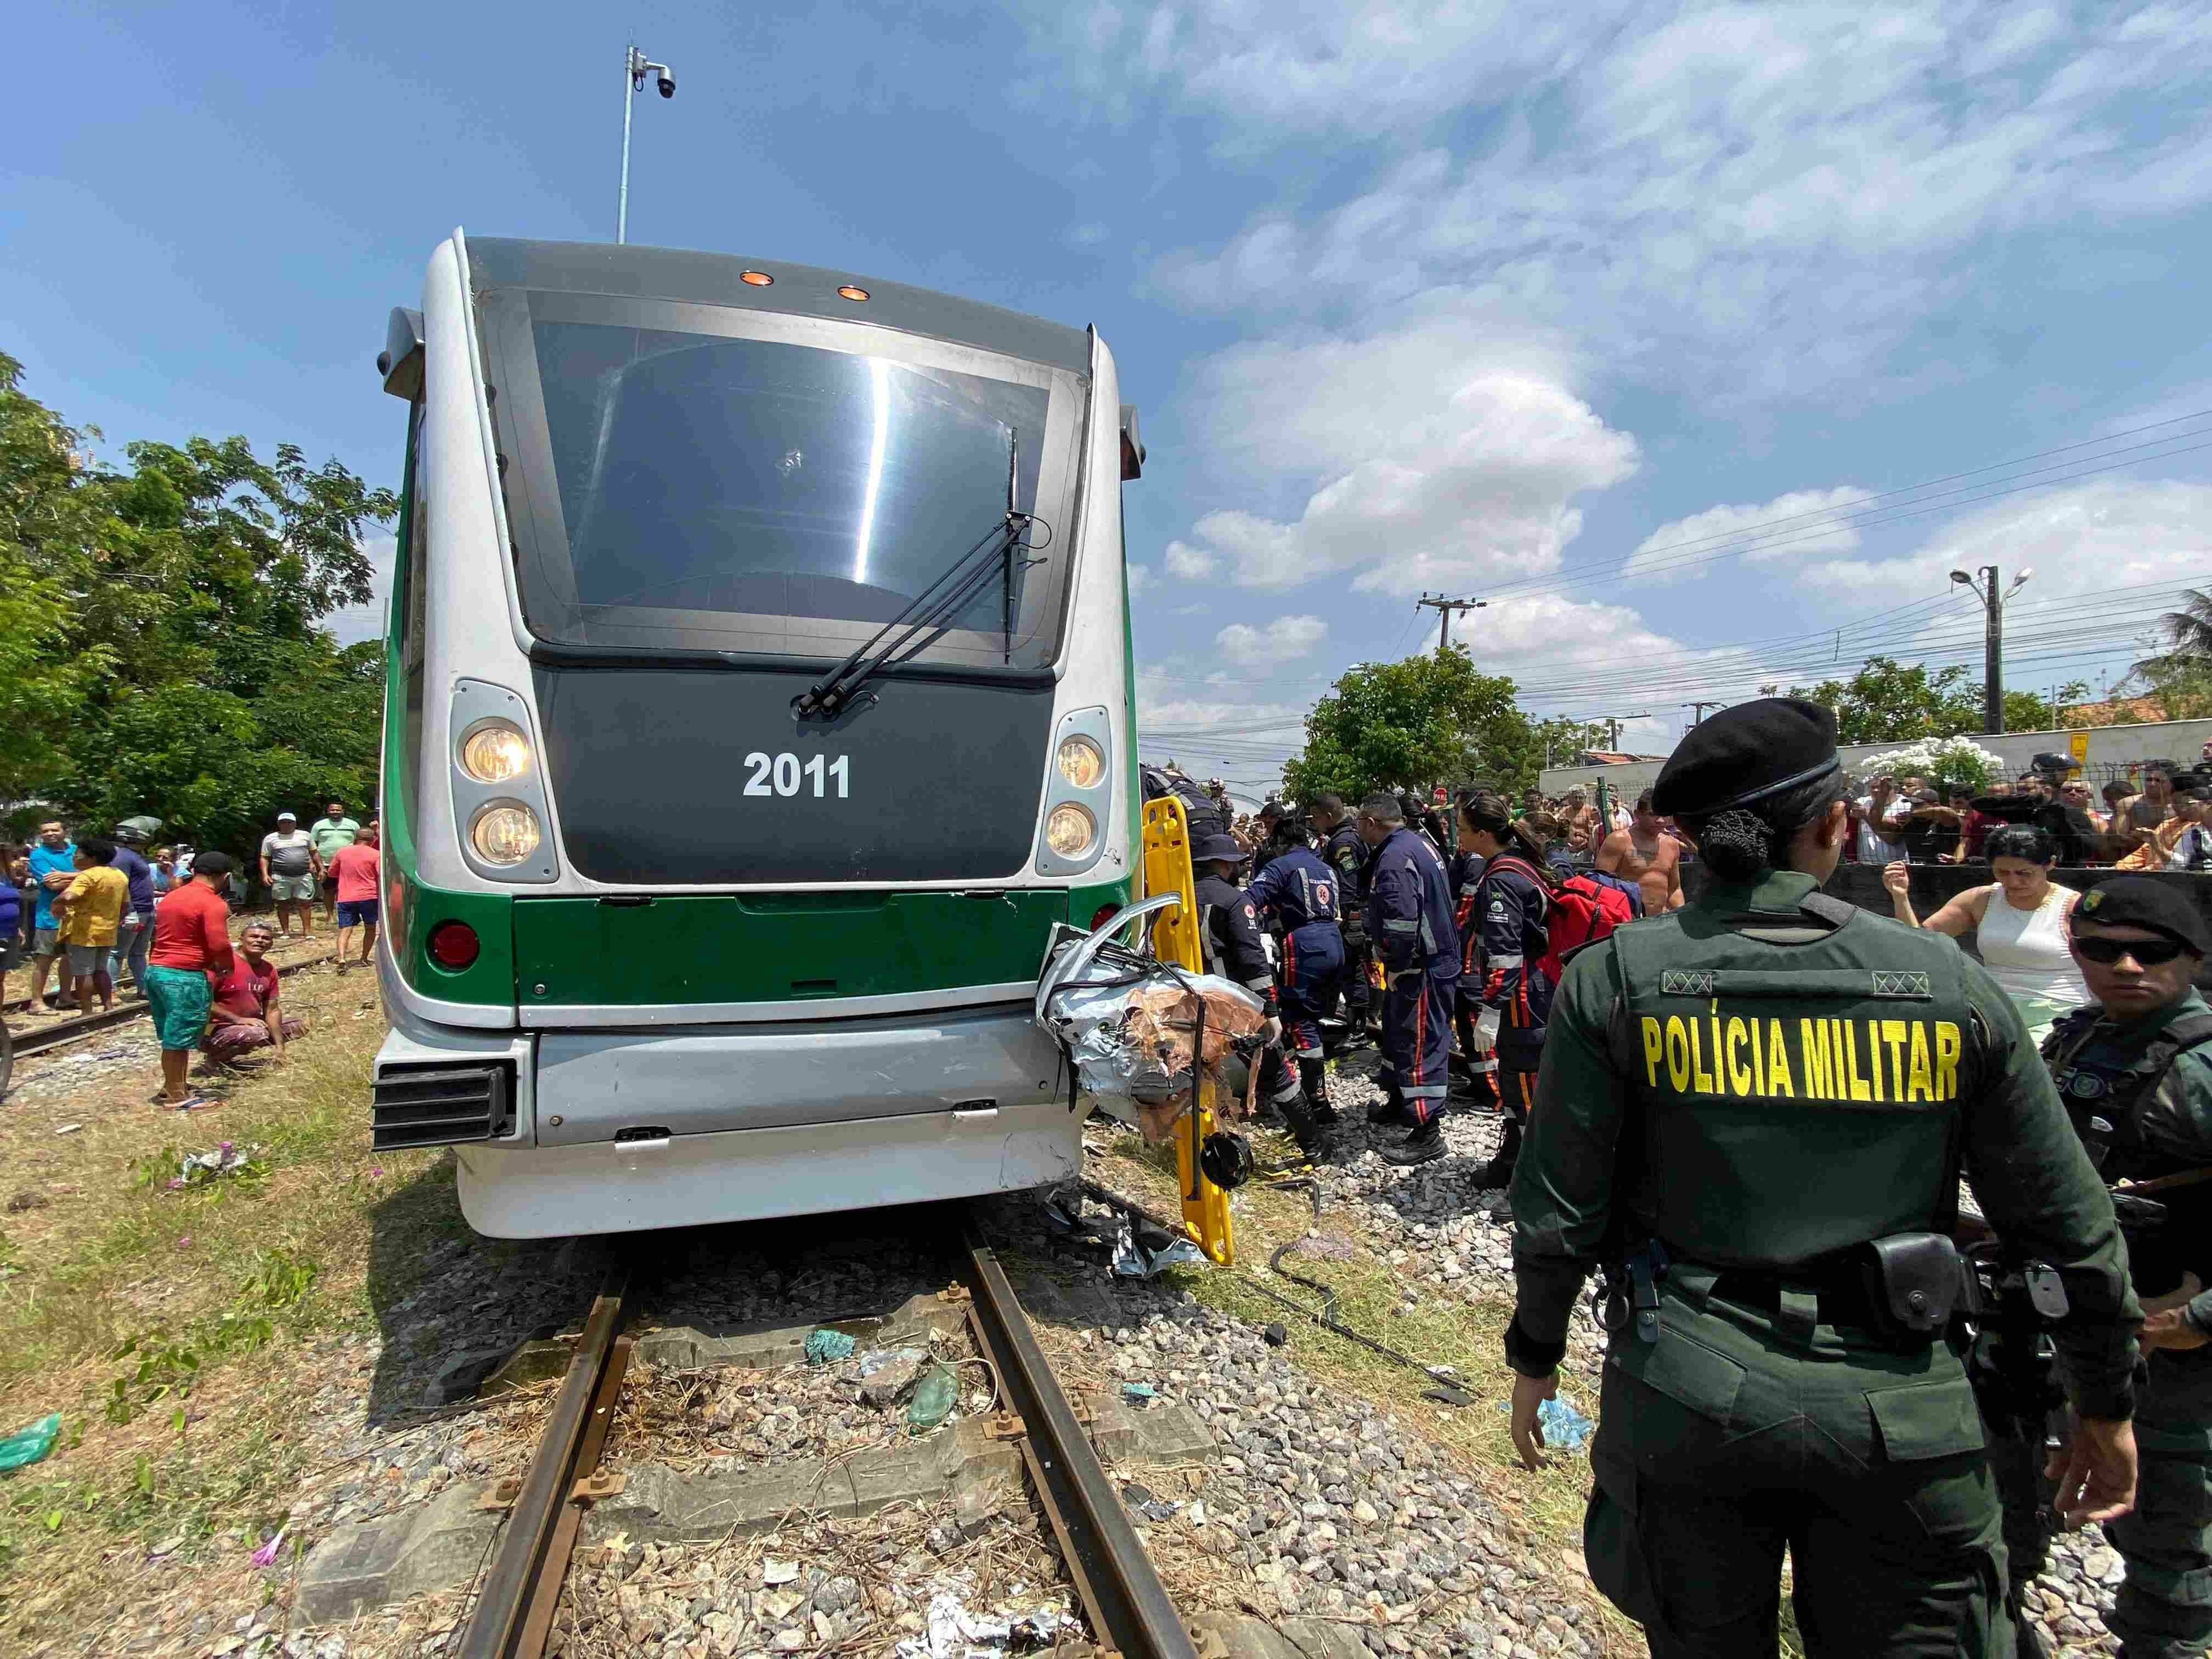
(1737,845)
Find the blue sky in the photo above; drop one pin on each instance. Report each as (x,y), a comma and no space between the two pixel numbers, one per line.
(1656,327)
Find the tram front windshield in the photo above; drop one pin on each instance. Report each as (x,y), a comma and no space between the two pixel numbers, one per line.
(737,494)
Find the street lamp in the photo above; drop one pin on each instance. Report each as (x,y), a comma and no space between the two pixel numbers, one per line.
(1993,604)
(635,67)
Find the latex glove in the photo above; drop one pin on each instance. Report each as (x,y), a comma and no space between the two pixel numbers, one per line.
(1529,1393)
(1271,1031)
(2095,1469)
(1485,1029)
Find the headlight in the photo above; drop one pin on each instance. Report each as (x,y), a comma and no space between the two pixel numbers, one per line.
(1081,762)
(493,754)
(1070,830)
(505,834)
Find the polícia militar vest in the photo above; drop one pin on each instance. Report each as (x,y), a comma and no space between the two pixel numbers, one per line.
(1792,1099)
(2136,1126)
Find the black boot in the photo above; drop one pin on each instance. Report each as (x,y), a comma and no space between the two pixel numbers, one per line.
(1391,1109)
(1313,1078)
(1314,1138)
(1499,1172)
(1424,1145)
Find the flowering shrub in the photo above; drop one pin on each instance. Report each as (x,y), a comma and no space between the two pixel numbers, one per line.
(1940,760)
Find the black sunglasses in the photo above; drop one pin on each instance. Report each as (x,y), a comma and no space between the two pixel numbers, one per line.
(2149,953)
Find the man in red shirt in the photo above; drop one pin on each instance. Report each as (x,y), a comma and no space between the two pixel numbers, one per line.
(248,1014)
(354,868)
(191,937)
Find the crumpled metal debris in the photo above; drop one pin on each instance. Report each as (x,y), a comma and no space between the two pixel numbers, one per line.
(1132,1041)
(956,1633)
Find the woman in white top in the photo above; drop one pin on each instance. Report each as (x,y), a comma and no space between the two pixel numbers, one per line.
(2018,924)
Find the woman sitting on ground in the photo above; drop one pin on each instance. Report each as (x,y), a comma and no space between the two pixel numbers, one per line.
(2019,923)
(247,1014)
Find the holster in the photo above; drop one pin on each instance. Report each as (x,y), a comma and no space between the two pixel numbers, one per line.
(1916,1284)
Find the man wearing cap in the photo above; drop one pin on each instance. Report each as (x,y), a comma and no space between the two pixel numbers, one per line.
(1229,936)
(2135,1070)
(291,867)
(1752,1113)
(1410,923)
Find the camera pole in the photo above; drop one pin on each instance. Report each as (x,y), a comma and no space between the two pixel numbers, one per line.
(635,67)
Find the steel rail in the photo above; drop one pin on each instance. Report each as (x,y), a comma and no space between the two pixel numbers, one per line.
(513,1615)
(31,1039)
(1129,1608)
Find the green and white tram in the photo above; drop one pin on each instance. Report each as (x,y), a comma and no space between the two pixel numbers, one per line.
(759,701)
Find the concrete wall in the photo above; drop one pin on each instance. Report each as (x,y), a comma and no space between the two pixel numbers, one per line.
(2113,749)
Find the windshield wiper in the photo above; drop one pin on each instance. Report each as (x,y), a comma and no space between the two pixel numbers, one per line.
(931,613)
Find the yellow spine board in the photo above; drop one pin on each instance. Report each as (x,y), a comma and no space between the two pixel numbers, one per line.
(1175,939)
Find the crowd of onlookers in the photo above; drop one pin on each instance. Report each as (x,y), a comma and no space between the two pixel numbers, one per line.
(2161,821)
(91,913)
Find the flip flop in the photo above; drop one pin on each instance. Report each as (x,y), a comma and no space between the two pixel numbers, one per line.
(193,1101)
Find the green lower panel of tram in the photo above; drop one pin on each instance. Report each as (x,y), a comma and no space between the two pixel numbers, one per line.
(780,947)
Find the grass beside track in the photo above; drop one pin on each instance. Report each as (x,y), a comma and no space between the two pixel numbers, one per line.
(172,1329)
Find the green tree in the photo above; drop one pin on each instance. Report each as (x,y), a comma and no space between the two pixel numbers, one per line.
(1890,702)
(172,624)
(2188,636)
(1428,719)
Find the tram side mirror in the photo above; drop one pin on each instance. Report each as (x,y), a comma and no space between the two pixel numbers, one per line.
(1132,447)
(400,362)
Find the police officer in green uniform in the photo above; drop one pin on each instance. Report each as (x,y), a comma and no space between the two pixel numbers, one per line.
(1753,1111)
(2135,1070)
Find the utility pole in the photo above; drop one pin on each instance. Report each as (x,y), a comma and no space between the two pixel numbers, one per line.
(1443,608)
(1697,709)
(635,67)
(1993,602)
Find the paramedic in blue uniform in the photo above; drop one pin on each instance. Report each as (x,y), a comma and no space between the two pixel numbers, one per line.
(1301,892)
(1230,936)
(1344,852)
(1508,1001)
(1409,924)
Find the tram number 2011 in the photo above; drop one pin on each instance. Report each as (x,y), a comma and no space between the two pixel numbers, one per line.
(784,775)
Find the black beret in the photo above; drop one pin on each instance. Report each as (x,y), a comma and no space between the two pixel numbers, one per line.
(1744,754)
(2145,901)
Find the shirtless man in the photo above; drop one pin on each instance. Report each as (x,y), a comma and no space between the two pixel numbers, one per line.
(1647,855)
(1579,820)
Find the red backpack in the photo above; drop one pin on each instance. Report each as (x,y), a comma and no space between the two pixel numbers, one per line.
(1581,910)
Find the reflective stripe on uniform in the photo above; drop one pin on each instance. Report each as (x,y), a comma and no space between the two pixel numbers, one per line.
(1395,924)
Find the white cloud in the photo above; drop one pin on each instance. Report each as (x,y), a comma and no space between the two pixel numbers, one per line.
(1777,194)
(1284,638)
(1800,525)
(1439,454)
(2082,542)
(1319,66)
(353,623)
(1140,578)
(1188,563)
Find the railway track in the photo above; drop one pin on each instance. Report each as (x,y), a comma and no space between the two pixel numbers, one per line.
(1130,1613)
(31,1039)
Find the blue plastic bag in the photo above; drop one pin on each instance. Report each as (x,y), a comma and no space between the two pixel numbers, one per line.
(28,1445)
(1564,1428)
(824,1345)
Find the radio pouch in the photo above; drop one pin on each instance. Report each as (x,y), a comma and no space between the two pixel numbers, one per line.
(1915,1282)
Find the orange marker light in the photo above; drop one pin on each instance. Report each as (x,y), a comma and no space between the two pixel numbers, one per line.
(848,292)
(755,278)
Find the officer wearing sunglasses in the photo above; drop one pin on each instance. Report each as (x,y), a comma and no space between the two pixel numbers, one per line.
(2134,1069)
